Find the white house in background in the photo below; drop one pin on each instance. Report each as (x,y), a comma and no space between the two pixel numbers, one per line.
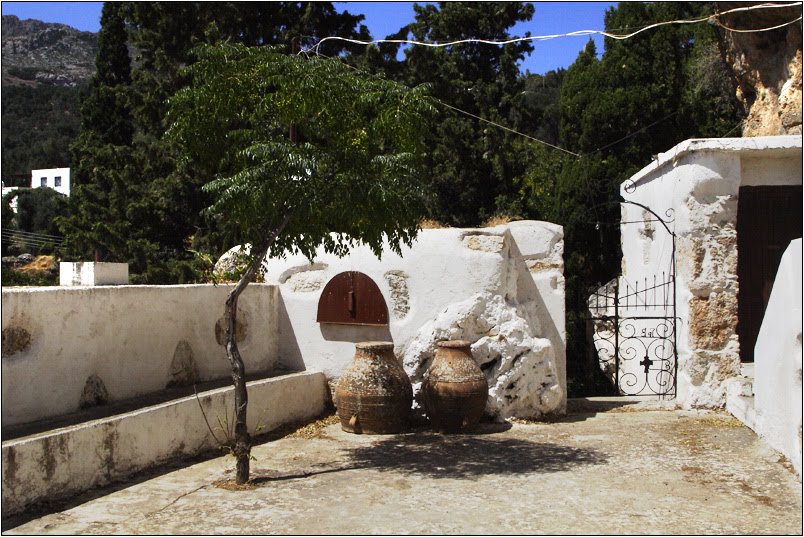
(56,178)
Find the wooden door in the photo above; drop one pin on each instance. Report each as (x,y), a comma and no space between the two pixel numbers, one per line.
(768,218)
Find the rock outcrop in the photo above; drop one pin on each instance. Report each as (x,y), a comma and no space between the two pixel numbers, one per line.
(520,367)
(766,66)
(36,52)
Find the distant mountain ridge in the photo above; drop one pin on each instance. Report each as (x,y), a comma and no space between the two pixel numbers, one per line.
(36,52)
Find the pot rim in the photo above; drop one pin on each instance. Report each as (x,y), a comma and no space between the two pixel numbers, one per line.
(374,345)
(454,344)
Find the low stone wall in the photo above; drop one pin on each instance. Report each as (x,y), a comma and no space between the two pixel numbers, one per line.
(777,362)
(63,462)
(69,347)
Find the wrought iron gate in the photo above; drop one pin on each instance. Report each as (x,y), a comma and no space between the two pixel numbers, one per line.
(634,327)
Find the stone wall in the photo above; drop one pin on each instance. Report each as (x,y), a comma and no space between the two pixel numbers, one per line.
(65,348)
(501,288)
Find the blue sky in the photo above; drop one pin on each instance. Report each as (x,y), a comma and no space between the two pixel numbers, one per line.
(383,18)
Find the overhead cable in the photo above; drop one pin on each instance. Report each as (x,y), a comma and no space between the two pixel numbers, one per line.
(506,128)
(713,18)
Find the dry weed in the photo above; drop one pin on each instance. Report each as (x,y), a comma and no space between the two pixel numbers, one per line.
(42,263)
(427,223)
(499,220)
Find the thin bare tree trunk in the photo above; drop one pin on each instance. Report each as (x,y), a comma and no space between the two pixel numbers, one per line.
(242,438)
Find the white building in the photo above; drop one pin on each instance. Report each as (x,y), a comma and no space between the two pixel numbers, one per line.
(56,178)
(718,220)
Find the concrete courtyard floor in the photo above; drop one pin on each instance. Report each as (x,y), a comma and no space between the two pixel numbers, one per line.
(609,467)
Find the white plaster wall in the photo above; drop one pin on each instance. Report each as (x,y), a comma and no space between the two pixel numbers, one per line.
(91,273)
(695,185)
(126,335)
(520,261)
(67,461)
(778,361)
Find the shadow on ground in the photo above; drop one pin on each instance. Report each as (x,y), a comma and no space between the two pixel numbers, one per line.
(451,457)
(441,456)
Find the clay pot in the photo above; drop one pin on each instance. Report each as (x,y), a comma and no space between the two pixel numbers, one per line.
(374,394)
(454,389)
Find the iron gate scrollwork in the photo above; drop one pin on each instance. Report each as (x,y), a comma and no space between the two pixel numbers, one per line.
(634,328)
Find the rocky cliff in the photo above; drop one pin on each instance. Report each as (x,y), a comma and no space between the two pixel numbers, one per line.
(36,52)
(766,66)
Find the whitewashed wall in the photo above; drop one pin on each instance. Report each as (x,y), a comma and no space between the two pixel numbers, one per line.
(136,339)
(479,279)
(695,186)
(778,361)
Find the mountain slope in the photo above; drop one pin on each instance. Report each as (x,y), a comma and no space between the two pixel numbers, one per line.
(46,53)
(44,67)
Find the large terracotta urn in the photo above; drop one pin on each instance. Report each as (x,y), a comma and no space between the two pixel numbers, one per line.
(454,389)
(374,394)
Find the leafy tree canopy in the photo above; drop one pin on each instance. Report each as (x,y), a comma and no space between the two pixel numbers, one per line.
(354,170)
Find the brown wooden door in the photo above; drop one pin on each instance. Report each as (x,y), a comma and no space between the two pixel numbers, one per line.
(768,218)
(352,298)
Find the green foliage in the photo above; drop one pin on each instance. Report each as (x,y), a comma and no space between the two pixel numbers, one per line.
(354,171)
(471,164)
(37,209)
(11,277)
(39,123)
(645,95)
(132,202)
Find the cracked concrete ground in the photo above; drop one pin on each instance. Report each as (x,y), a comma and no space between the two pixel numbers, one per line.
(604,469)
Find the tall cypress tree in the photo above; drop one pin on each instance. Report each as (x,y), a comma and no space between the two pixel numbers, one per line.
(98,205)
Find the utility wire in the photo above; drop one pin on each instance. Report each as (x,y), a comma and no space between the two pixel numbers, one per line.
(713,18)
(31,234)
(469,114)
(506,128)
(668,116)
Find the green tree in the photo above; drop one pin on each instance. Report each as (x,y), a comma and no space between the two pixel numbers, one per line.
(645,95)
(37,209)
(39,124)
(470,163)
(134,204)
(350,174)
(101,188)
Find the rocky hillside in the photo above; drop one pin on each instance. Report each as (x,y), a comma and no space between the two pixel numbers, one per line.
(36,52)
(766,66)
(44,67)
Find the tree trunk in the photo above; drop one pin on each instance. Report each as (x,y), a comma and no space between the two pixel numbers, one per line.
(242,438)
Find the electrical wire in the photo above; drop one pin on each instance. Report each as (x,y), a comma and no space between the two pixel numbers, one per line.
(506,128)
(752,31)
(713,18)
(637,132)
(469,114)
